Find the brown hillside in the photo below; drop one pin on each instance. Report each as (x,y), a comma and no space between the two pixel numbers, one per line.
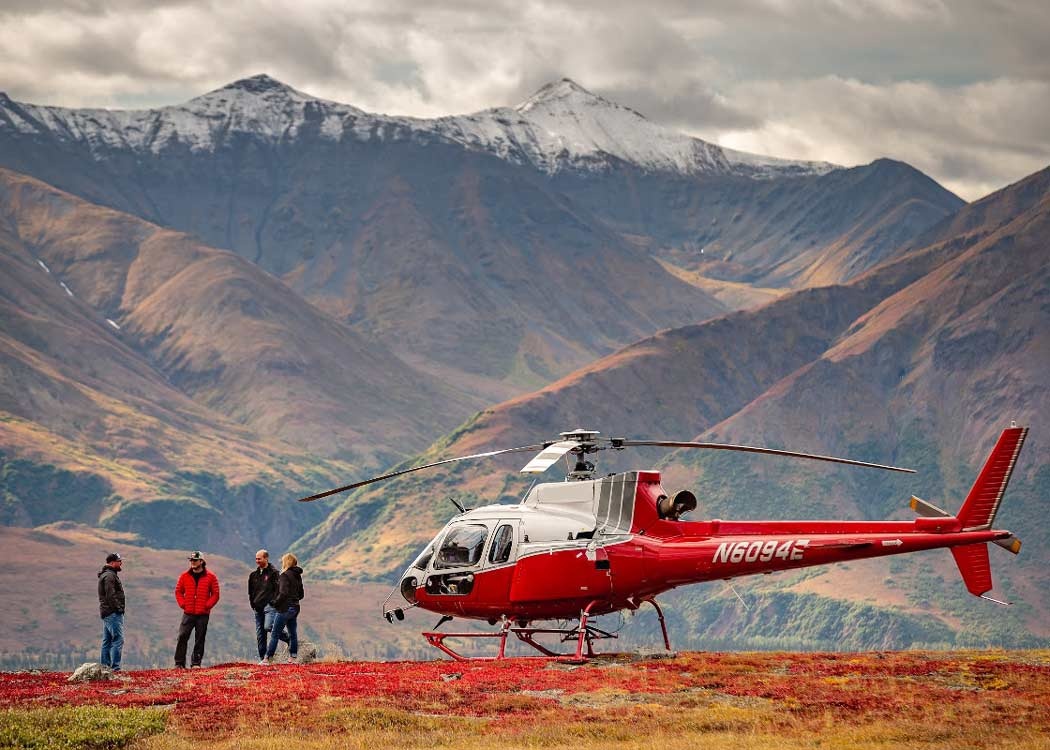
(91,432)
(961,350)
(79,396)
(486,271)
(797,233)
(230,336)
(673,385)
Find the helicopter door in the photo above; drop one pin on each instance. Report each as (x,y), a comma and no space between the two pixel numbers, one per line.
(504,546)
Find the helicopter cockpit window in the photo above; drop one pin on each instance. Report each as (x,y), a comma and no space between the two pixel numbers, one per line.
(501,544)
(462,547)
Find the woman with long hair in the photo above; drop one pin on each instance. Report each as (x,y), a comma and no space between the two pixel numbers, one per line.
(289,594)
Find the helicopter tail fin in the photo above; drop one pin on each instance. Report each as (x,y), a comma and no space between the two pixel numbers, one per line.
(978,512)
(979,509)
(972,560)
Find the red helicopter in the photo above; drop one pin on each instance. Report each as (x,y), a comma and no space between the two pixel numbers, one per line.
(589,546)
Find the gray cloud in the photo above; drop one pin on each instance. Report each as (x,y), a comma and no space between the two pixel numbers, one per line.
(958,89)
(972,138)
(14,8)
(689,103)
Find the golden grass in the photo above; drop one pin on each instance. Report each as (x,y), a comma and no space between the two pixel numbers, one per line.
(758,727)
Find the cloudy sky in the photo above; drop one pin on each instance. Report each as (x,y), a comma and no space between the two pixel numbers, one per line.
(960,90)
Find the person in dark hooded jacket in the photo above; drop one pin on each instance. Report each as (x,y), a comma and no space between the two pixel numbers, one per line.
(111,609)
(289,593)
(262,589)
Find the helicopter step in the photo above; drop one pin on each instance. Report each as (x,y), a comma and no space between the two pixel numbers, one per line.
(583,634)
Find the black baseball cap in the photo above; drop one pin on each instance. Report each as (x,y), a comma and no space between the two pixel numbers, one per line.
(195,556)
(113,557)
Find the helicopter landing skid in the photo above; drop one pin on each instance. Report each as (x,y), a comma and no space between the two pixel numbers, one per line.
(583,634)
(526,635)
(587,636)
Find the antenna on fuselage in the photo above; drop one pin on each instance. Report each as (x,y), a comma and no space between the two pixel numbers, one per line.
(455,502)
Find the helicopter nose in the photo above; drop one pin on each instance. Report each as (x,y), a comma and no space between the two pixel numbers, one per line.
(408,588)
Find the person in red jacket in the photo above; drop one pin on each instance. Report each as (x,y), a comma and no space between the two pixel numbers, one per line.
(196,592)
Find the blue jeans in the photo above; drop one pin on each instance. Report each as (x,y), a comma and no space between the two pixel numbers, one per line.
(112,640)
(282,620)
(263,625)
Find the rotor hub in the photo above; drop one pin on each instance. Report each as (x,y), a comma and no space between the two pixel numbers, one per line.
(586,442)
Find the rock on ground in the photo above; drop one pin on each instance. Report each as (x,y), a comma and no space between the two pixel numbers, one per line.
(91,671)
(307,652)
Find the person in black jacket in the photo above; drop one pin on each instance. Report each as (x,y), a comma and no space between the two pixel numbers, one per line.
(289,593)
(262,590)
(111,609)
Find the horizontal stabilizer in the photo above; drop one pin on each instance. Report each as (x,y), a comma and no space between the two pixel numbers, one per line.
(929,510)
(1010,544)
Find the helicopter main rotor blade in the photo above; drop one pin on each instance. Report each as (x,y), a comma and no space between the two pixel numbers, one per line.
(543,460)
(768,451)
(362,483)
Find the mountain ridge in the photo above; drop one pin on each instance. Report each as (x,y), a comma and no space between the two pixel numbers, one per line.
(561,126)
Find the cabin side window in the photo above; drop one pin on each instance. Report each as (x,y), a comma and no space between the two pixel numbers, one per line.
(462,547)
(502,543)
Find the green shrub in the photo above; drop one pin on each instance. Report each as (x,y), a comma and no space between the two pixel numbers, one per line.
(80,727)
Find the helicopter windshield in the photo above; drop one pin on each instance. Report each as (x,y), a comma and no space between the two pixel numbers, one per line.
(462,547)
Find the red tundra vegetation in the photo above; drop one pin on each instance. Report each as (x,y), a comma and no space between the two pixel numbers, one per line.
(749,700)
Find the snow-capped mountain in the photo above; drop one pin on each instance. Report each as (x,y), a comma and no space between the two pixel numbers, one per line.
(562,126)
(565,126)
(259,106)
